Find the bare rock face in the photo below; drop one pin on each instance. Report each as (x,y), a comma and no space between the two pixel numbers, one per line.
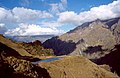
(93,39)
(75,67)
(112,59)
(116,31)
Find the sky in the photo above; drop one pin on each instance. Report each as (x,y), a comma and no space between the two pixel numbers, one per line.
(45,17)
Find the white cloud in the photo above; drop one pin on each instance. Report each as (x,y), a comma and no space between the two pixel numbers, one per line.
(23,14)
(58,7)
(20,15)
(5,15)
(27,29)
(51,24)
(3,29)
(103,12)
(69,17)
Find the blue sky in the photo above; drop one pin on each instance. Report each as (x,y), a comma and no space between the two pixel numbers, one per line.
(72,5)
(38,17)
(44,4)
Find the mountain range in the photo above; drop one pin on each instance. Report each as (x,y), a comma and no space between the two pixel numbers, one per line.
(92,39)
(98,41)
(31,38)
(16,62)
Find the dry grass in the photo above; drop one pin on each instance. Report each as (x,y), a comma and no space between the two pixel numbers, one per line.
(75,67)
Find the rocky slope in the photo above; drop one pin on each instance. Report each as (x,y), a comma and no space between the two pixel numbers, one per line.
(23,49)
(36,48)
(11,67)
(75,67)
(15,61)
(92,39)
(11,47)
(112,59)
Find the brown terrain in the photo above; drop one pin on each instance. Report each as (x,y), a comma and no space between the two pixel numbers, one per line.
(6,43)
(75,67)
(36,48)
(14,64)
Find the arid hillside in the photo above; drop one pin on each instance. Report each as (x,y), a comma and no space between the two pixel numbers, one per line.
(11,47)
(75,67)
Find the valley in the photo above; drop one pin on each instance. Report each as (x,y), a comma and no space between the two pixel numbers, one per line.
(91,50)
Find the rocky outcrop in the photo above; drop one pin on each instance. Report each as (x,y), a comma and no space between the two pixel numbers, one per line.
(11,67)
(75,67)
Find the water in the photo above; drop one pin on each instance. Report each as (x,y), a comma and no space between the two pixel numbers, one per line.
(47,60)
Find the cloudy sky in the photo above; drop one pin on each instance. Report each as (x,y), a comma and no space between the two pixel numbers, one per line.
(41,17)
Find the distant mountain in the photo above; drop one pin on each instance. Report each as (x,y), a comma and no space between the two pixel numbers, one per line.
(92,39)
(41,38)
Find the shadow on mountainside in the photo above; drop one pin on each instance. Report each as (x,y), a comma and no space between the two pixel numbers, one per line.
(112,59)
(60,47)
(42,72)
(94,49)
(8,51)
(111,22)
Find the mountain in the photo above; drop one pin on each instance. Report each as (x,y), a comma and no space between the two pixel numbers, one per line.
(98,40)
(41,38)
(15,62)
(92,39)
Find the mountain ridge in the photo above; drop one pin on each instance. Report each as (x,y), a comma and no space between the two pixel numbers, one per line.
(103,33)
(31,38)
